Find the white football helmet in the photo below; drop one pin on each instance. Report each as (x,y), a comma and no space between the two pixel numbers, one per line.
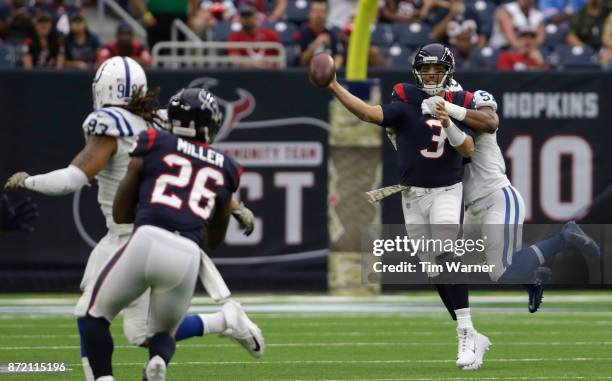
(117,79)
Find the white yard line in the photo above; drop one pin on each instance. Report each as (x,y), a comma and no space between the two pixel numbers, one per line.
(474,378)
(327,299)
(335,362)
(320,333)
(300,311)
(323,344)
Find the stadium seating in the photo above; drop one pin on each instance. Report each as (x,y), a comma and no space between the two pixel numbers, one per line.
(286,31)
(10,55)
(575,57)
(222,30)
(413,34)
(383,35)
(400,57)
(292,53)
(484,58)
(554,37)
(297,11)
(486,15)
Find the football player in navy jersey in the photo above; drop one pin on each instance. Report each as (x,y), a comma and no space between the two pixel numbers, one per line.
(430,154)
(177,192)
(123,107)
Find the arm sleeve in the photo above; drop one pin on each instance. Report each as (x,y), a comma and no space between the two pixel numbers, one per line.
(395,113)
(59,182)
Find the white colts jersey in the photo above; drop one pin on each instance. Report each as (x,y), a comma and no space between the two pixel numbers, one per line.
(125,127)
(486,171)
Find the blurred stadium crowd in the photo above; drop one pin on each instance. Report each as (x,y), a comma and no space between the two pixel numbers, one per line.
(484,34)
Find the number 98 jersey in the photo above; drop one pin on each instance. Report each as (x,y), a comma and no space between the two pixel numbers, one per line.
(181,181)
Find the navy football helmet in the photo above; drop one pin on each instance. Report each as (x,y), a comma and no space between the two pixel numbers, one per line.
(437,54)
(194,113)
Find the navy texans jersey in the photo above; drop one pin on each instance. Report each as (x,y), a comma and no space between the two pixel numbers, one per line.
(425,157)
(181,180)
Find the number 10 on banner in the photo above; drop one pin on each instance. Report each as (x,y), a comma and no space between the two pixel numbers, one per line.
(523,159)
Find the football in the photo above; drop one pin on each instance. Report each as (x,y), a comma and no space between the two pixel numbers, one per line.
(321,70)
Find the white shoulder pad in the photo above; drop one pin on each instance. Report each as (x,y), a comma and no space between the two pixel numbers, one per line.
(483,98)
(455,86)
(107,122)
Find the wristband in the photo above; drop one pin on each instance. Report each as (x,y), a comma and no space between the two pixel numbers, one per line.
(456,112)
(455,136)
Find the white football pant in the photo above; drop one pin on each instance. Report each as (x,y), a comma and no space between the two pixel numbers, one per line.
(135,314)
(153,258)
(499,217)
(433,213)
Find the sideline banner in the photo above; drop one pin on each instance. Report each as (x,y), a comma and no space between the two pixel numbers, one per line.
(278,133)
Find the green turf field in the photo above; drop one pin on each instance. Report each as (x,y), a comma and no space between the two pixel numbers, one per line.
(404,337)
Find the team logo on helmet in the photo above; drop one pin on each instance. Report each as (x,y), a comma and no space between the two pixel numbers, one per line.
(233,111)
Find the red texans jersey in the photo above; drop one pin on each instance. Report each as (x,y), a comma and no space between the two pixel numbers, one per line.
(425,157)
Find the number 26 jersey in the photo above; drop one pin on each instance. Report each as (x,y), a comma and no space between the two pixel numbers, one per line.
(181,181)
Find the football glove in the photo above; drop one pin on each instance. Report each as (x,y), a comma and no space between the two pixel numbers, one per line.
(428,106)
(245,218)
(17,215)
(16,181)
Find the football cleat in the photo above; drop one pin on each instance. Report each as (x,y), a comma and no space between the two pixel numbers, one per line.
(242,329)
(482,344)
(577,238)
(536,290)
(155,370)
(466,346)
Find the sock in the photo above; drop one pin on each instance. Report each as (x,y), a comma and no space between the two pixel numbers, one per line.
(106,378)
(448,303)
(163,345)
(460,296)
(190,326)
(81,327)
(525,261)
(464,320)
(84,360)
(87,369)
(213,323)
(99,345)
(549,247)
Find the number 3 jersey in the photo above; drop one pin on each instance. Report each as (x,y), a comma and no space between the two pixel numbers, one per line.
(181,180)
(124,126)
(425,157)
